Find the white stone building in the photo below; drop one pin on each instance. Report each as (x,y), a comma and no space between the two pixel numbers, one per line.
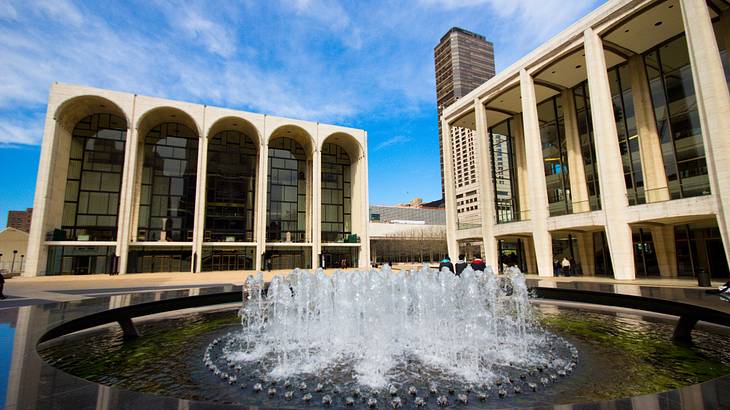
(616,132)
(129,183)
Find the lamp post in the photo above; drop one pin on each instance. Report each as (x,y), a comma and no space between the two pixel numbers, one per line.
(1,261)
(21,262)
(12,264)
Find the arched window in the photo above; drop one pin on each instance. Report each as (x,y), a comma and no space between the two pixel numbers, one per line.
(94,179)
(169,174)
(230,188)
(287,192)
(336,194)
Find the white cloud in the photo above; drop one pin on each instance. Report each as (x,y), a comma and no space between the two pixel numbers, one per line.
(396,140)
(13,132)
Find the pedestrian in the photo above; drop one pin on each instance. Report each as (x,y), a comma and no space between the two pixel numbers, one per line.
(446,263)
(461,264)
(477,263)
(566,266)
(2,285)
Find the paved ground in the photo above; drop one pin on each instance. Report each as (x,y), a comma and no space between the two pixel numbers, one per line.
(27,291)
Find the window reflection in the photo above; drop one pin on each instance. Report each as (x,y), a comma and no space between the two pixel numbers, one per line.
(231,184)
(504,174)
(336,194)
(169,174)
(287,192)
(675,108)
(94,179)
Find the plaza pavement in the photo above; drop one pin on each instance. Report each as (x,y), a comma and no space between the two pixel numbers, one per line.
(23,291)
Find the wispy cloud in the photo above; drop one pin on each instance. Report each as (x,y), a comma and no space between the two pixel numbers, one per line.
(396,140)
(323,60)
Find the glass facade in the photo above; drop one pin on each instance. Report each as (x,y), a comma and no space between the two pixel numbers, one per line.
(504,172)
(555,155)
(601,255)
(80,260)
(286,216)
(288,258)
(700,249)
(150,259)
(336,194)
(223,258)
(231,186)
(587,147)
(628,137)
(645,258)
(675,109)
(512,253)
(169,174)
(96,161)
(339,257)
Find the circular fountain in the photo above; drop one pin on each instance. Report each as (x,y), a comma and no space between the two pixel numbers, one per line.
(391,339)
(391,334)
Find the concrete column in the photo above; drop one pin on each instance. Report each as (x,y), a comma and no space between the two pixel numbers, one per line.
(652,159)
(200,200)
(126,197)
(666,249)
(261,199)
(530,256)
(610,165)
(576,166)
(536,177)
(449,191)
(518,144)
(360,185)
(37,252)
(317,207)
(586,256)
(486,187)
(713,105)
(725,31)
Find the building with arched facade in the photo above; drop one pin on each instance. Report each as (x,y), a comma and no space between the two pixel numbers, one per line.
(129,183)
(606,145)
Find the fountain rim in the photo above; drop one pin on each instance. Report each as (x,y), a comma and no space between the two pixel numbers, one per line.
(124,315)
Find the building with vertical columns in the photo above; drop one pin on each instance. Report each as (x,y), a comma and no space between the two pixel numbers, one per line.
(610,139)
(129,183)
(463,60)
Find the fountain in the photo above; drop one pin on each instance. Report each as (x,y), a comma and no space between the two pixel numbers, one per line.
(399,335)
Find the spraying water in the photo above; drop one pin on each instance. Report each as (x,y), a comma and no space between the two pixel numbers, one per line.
(381,328)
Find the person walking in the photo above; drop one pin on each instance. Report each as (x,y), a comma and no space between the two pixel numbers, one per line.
(478,264)
(446,263)
(2,286)
(461,264)
(566,266)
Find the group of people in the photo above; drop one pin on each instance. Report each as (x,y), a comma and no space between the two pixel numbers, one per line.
(477,264)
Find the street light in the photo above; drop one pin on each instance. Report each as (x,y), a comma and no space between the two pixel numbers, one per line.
(12,265)
(21,262)
(1,261)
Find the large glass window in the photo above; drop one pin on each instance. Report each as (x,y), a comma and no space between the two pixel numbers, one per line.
(80,260)
(223,258)
(601,255)
(628,136)
(555,155)
(504,175)
(169,174)
(230,188)
(645,258)
(95,165)
(675,108)
(587,147)
(287,192)
(288,258)
(339,257)
(147,259)
(336,194)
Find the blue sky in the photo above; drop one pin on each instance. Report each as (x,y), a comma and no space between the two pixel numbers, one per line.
(365,64)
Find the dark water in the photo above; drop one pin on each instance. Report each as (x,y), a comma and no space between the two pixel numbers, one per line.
(619,356)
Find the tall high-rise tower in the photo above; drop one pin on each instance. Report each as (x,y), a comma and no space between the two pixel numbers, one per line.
(463,61)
